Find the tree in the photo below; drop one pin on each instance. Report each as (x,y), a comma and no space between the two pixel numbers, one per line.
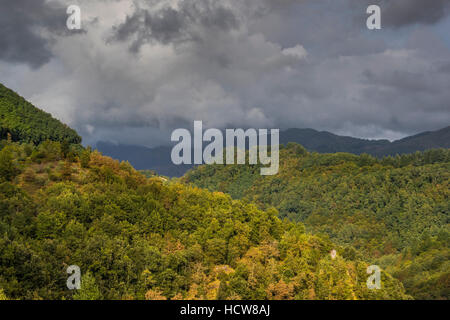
(8,170)
(65,148)
(154,295)
(67,170)
(89,289)
(85,158)
(2,295)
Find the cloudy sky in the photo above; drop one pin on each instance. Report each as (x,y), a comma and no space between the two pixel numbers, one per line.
(140,68)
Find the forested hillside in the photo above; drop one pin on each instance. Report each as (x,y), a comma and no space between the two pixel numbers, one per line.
(393,212)
(21,121)
(139,238)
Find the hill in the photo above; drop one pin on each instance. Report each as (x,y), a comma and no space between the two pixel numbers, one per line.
(420,142)
(21,121)
(139,238)
(326,142)
(158,159)
(394,211)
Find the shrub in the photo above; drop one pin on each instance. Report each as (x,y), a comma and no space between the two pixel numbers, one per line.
(29,175)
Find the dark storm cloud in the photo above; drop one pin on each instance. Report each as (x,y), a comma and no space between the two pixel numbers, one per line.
(401,13)
(168,25)
(404,12)
(21,25)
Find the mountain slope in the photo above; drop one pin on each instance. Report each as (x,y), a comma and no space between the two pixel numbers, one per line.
(420,142)
(327,142)
(21,121)
(393,211)
(158,159)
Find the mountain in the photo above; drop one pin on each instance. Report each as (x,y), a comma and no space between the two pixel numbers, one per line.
(134,237)
(158,159)
(420,142)
(326,142)
(21,121)
(394,211)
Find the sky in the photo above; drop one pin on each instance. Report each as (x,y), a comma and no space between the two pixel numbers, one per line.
(139,69)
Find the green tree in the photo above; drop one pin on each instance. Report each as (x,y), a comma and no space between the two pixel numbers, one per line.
(8,169)
(85,158)
(89,289)
(2,295)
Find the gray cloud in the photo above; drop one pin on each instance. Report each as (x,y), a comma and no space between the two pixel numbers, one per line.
(404,12)
(22,24)
(169,25)
(401,13)
(237,63)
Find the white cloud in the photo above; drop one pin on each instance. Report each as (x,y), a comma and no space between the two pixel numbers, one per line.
(298,52)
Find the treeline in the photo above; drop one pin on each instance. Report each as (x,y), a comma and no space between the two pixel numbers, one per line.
(21,121)
(140,238)
(392,211)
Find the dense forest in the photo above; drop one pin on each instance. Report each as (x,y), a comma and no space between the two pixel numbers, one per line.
(147,238)
(21,121)
(393,212)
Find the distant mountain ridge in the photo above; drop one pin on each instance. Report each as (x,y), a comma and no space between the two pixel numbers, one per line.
(143,158)
(326,142)
(158,159)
